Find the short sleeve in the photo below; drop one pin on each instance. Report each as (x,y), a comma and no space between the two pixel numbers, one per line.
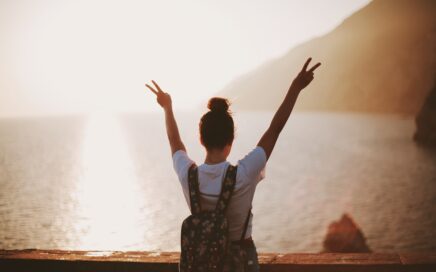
(181,164)
(253,165)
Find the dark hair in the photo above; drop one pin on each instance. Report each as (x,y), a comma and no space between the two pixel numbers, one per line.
(216,126)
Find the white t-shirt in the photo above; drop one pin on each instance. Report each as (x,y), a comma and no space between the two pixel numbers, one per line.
(251,170)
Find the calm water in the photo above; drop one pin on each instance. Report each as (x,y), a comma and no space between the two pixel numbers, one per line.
(106,182)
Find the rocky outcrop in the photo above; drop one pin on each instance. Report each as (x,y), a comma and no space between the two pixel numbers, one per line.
(426,121)
(344,236)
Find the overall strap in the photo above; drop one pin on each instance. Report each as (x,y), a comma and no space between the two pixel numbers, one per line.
(226,189)
(194,191)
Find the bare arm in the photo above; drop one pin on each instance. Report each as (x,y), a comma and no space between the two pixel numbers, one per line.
(164,100)
(269,138)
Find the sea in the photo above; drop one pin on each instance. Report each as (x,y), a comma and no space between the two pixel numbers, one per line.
(106,181)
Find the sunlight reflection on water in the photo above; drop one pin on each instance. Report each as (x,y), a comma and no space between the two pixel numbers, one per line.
(107,193)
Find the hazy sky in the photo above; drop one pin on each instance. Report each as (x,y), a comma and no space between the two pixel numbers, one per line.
(84,56)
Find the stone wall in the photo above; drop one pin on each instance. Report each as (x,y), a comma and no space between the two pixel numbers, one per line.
(57,260)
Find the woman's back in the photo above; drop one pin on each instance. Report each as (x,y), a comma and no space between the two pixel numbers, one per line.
(210,176)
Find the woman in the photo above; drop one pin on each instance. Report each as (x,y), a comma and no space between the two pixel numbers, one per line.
(216,135)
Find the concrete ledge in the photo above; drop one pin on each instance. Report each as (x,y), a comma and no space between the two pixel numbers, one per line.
(60,260)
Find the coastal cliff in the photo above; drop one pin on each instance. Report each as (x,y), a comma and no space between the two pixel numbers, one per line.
(426,121)
(380,59)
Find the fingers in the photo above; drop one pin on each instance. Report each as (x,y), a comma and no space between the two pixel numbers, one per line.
(156,90)
(314,67)
(306,64)
(157,86)
(151,89)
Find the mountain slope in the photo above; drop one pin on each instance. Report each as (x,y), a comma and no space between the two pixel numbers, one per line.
(380,59)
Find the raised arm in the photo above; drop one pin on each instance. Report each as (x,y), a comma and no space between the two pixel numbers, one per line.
(164,100)
(269,138)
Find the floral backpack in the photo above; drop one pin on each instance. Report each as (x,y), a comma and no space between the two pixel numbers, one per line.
(205,244)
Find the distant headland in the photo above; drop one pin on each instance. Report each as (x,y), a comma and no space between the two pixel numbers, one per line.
(380,59)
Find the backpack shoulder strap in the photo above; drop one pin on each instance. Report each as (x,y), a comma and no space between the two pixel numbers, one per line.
(194,191)
(246,225)
(226,189)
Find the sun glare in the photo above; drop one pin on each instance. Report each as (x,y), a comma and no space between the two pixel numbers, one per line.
(109,204)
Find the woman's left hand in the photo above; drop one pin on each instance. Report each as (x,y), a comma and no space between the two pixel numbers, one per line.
(163,98)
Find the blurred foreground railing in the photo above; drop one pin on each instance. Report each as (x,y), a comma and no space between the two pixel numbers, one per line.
(60,260)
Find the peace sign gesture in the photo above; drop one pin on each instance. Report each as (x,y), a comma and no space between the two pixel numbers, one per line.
(163,98)
(305,76)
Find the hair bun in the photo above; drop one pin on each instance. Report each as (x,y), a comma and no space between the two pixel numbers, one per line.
(218,104)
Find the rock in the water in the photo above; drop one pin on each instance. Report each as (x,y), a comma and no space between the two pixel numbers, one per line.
(426,121)
(345,236)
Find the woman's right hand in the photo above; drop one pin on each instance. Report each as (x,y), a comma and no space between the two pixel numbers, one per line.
(269,138)
(304,77)
(163,98)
